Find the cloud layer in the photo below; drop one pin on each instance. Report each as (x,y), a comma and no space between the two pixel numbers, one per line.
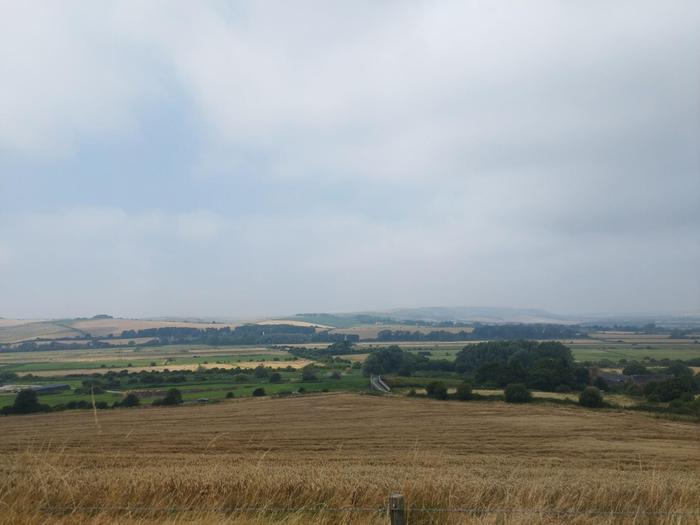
(243,159)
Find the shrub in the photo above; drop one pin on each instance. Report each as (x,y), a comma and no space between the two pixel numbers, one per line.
(131,400)
(680,370)
(302,390)
(591,397)
(601,384)
(635,369)
(259,392)
(634,390)
(437,390)
(464,392)
(173,397)
(517,393)
(670,389)
(230,395)
(275,377)
(261,372)
(308,374)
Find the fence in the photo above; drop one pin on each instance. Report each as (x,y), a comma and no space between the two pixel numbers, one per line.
(397,511)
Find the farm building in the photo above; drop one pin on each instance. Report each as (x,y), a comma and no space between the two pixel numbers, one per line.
(642,380)
(615,379)
(50,389)
(39,389)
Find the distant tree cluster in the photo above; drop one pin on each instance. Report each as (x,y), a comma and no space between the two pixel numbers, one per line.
(540,365)
(393,359)
(481,332)
(245,334)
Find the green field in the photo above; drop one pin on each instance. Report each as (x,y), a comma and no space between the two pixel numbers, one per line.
(213,389)
(607,348)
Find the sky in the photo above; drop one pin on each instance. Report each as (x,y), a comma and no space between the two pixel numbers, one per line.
(239,159)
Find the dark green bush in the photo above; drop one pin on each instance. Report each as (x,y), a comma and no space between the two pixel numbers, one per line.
(26,402)
(308,374)
(173,397)
(131,400)
(635,369)
(464,392)
(436,390)
(517,393)
(591,397)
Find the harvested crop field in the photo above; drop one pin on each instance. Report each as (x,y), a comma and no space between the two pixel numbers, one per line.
(348,450)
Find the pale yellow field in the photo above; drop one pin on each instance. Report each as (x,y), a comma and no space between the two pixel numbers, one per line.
(299,363)
(191,464)
(14,333)
(291,322)
(371,331)
(354,358)
(5,323)
(104,327)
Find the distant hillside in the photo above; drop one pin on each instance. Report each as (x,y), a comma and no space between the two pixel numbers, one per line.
(437,314)
(341,320)
(479,314)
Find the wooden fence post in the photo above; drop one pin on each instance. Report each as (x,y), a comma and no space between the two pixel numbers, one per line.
(397,509)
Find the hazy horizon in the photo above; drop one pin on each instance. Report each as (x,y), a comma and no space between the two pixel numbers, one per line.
(385,311)
(250,160)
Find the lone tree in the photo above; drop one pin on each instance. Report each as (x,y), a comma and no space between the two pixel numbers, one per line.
(464,392)
(26,402)
(517,393)
(131,400)
(308,374)
(591,397)
(173,397)
(436,390)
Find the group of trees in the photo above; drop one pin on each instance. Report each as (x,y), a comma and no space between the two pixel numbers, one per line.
(326,355)
(393,359)
(492,332)
(512,393)
(542,365)
(245,334)
(26,402)
(673,383)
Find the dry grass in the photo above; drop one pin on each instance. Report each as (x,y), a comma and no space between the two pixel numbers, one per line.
(347,450)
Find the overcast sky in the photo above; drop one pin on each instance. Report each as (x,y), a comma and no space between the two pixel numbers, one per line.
(264,158)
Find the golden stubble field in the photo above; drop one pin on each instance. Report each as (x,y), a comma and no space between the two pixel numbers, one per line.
(193,464)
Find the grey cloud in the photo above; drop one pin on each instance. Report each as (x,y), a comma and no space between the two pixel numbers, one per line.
(541,155)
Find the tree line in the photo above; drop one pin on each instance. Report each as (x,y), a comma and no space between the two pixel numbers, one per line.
(481,332)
